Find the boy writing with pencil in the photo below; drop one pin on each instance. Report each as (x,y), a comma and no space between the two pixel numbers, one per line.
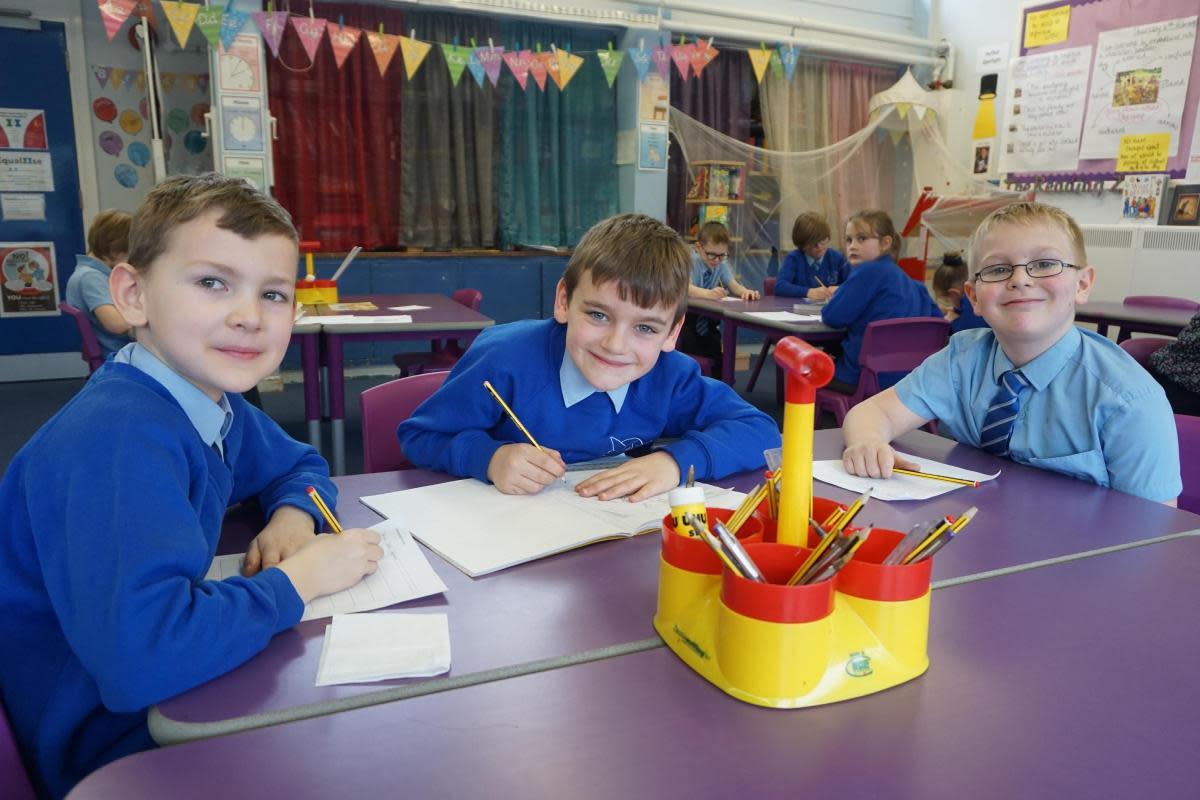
(1033,387)
(711,279)
(114,507)
(600,379)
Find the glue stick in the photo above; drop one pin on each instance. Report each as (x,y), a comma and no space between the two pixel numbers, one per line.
(687,500)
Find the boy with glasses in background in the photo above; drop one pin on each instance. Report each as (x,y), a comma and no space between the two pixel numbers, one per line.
(1033,387)
(712,279)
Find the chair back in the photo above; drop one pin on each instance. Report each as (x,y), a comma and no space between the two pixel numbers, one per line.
(90,350)
(768,286)
(1188,429)
(471,298)
(1161,301)
(898,345)
(383,408)
(14,780)
(1142,347)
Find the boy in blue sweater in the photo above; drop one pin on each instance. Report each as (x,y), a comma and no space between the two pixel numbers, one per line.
(114,507)
(876,289)
(814,270)
(1033,387)
(600,379)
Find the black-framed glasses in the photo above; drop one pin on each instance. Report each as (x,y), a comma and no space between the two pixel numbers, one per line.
(1040,268)
(717,257)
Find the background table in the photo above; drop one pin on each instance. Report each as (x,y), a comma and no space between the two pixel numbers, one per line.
(1133,319)
(1076,680)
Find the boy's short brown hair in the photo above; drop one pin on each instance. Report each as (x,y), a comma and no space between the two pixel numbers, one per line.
(247,212)
(1029,213)
(877,223)
(647,259)
(108,236)
(950,274)
(713,233)
(809,228)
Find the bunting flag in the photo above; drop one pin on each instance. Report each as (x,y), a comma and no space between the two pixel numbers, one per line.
(568,65)
(641,60)
(492,60)
(114,13)
(168,80)
(776,65)
(138,78)
(610,62)
(519,62)
(310,30)
(456,60)
(181,16)
(702,55)
(759,59)
(537,66)
(118,77)
(342,39)
(681,54)
(661,59)
(789,56)
(191,82)
(383,46)
(102,74)
(476,67)
(231,25)
(208,20)
(551,61)
(413,52)
(272,24)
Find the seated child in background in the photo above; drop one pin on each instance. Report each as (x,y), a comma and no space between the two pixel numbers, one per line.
(712,279)
(1033,387)
(114,507)
(948,280)
(599,379)
(87,288)
(876,289)
(813,270)
(1176,366)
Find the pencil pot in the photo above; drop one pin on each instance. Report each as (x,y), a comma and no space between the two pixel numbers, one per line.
(773,640)
(893,601)
(316,292)
(688,566)
(822,508)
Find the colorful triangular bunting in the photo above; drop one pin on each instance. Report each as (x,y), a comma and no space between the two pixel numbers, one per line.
(568,65)
(519,62)
(759,58)
(181,16)
(413,52)
(208,20)
(231,25)
(610,62)
(342,39)
(456,57)
(272,24)
(383,46)
(492,59)
(114,13)
(310,30)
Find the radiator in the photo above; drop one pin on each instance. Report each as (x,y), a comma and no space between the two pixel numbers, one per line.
(1130,259)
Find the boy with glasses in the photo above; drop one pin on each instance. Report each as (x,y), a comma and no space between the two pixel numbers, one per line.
(712,279)
(1033,388)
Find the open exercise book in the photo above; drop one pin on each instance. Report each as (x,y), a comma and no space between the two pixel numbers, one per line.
(480,530)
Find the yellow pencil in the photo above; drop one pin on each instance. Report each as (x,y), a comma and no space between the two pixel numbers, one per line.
(927,541)
(324,509)
(946,478)
(488,385)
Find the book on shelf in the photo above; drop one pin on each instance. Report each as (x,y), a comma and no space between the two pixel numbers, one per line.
(699,187)
(714,213)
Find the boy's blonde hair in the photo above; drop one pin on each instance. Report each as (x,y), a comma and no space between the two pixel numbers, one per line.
(809,228)
(648,260)
(876,223)
(1028,214)
(713,233)
(246,211)
(108,236)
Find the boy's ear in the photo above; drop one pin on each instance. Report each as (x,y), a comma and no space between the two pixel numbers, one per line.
(125,286)
(1087,279)
(969,289)
(560,302)
(669,343)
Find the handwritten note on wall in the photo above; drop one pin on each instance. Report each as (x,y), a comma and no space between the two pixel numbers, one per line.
(1143,152)
(1047,27)
(1043,111)
(1139,85)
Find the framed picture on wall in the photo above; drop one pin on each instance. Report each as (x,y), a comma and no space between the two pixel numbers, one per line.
(1185,205)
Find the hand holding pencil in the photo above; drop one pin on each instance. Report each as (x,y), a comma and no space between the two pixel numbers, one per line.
(522,468)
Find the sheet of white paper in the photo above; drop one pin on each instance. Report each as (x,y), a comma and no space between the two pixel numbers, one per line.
(408,308)
(355,319)
(360,648)
(784,316)
(480,530)
(404,574)
(730,299)
(898,487)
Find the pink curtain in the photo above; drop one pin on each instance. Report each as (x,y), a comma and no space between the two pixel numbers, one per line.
(868,179)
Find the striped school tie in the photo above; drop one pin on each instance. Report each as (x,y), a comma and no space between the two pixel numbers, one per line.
(1002,413)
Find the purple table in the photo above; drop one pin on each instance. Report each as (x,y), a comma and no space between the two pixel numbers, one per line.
(590,600)
(308,336)
(1133,319)
(735,314)
(1068,681)
(443,319)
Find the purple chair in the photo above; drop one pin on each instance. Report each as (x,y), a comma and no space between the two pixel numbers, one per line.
(14,780)
(769,341)
(889,345)
(91,351)
(386,406)
(1141,348)
(1188,429)
(444,352)
(706,363)
(1154,301)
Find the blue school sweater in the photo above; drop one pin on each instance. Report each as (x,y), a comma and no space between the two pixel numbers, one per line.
(875,290)
(796,276)
(461,426)
(967,318)
(112,514)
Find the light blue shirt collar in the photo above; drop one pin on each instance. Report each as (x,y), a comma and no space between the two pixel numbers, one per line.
(1045,367)
(813,262)
(576,388)
(94,263)
(211,420)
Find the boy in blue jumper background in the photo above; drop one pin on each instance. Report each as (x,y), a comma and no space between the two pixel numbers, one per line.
(814,270)
(114,507)
(87,288)
(1033,387)
(600,379)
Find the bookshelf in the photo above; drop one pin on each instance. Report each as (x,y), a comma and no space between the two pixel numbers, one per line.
(717,192)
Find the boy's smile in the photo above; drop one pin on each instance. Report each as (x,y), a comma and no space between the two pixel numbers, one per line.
(612,341)
(215,307)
